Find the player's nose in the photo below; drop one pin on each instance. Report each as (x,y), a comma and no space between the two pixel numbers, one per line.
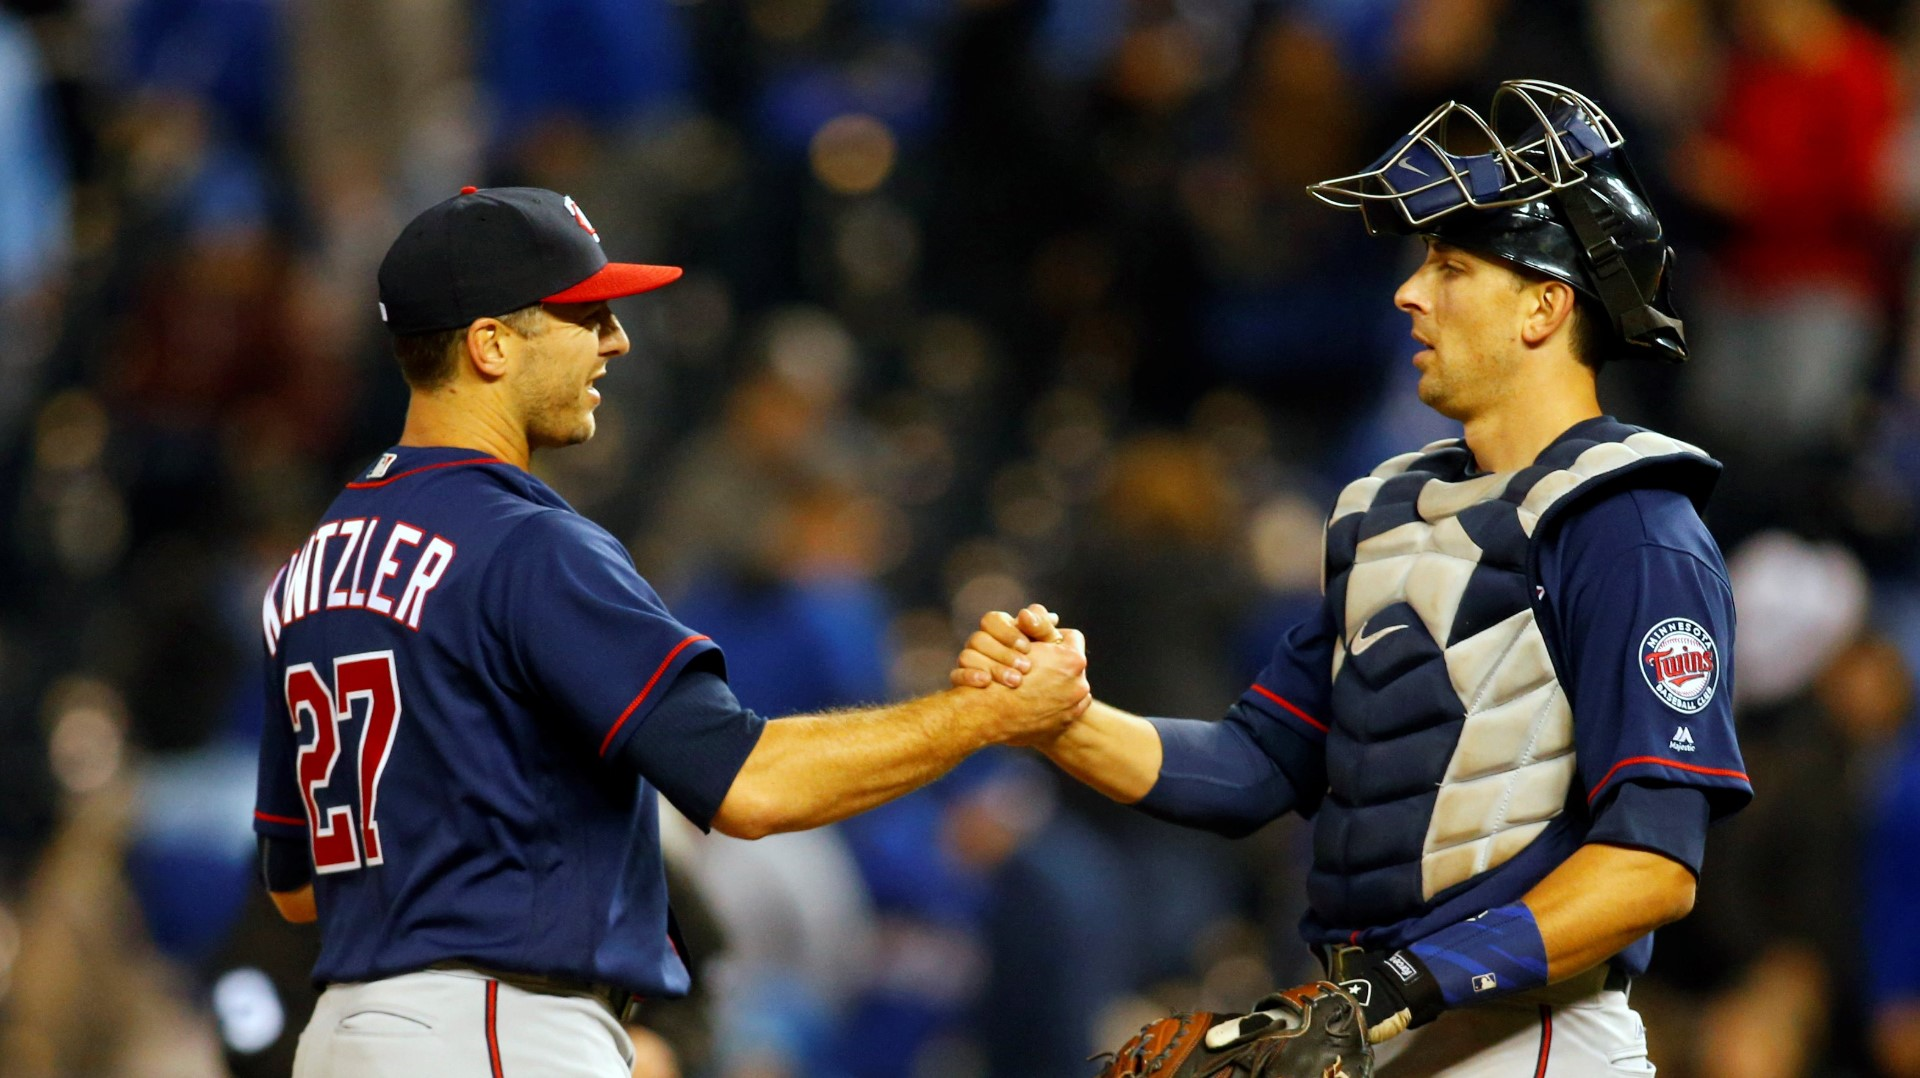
(1411,296)
(613,337)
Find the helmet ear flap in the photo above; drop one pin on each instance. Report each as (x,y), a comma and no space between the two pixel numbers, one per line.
(1652,327)
(1662,290)
(1639,313)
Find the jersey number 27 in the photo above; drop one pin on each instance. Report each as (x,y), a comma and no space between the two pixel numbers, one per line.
(338,844)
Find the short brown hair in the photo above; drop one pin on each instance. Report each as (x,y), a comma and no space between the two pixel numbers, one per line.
(1594,341)
(428,360)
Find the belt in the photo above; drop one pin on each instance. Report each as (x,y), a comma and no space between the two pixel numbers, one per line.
(1342,964)
(623,1004)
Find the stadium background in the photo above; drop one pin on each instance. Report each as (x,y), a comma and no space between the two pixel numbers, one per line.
(987,301)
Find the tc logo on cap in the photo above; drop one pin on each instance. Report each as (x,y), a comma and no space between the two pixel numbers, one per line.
(580,218)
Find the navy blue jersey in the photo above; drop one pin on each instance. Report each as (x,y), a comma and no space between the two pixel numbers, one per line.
(460,669)
(1637,614)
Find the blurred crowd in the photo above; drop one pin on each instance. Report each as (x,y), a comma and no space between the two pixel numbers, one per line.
(987,302)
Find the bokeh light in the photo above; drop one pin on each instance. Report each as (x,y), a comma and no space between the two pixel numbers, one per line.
(86,724)
(853,154)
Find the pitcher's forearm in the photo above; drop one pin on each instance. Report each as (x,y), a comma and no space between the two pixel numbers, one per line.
(1115,752)
(811,770)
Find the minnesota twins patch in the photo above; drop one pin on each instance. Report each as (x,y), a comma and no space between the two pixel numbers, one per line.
(1680,663)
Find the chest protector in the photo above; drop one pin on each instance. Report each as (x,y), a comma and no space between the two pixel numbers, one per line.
(1451,743)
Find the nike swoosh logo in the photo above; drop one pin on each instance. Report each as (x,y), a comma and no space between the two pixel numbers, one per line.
(1367,640)
(1410,165)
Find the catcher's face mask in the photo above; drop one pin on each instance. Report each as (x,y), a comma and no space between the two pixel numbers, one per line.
(1545,185)
(1549,133)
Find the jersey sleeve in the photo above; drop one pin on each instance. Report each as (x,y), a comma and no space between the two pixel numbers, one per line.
(1295,689)
(1646,626)
(277,809)
(697,740)
(584,631)
(1666,819)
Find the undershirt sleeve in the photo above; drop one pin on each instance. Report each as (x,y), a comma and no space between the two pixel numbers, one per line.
(1215,776)
(1266,757)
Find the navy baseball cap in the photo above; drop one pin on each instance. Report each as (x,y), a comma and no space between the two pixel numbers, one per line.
(486,252)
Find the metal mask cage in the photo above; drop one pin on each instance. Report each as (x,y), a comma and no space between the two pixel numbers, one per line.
(1554,130)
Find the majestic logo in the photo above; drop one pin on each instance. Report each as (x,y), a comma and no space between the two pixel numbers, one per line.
(1366,640)
(1682,740)
(379,470)
(1681,665)
(580,218)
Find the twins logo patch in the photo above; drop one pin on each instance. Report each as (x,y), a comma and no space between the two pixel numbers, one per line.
(1681,665)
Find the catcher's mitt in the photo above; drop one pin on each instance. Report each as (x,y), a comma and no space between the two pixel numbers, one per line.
(1314,1031)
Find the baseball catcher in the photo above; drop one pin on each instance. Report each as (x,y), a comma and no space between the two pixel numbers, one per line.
(1510,720)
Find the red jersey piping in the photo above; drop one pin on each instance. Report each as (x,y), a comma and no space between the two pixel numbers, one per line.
(271,818)
(367,484)
(1695,768)
(1546,1040)
(664,663)
(493,1031)
(1283,702)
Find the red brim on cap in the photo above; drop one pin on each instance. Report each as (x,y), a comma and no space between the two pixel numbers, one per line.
(616,279)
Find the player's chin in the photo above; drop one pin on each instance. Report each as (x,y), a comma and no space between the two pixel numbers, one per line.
(559,435)
(1433,393)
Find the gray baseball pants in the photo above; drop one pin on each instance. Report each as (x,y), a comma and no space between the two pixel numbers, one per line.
(1572,1030)
(460,1024)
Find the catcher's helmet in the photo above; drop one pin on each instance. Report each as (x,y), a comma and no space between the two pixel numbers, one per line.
(1554,192)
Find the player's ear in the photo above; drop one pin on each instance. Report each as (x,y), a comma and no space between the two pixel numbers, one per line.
(1547,306)
(488,350)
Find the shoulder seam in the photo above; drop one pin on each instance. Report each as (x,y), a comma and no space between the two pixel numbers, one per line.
(1647,538)
(513,530)
(1715,571)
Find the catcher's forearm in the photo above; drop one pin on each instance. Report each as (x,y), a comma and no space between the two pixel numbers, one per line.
(1113,751)
(1603,898)
(1586,911)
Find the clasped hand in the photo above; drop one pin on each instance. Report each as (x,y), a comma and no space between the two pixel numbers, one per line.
(1040,665)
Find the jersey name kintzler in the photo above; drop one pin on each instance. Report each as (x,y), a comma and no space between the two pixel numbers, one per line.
(1446,703)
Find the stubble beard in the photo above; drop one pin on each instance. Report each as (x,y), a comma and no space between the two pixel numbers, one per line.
(1432,391)
(561,418)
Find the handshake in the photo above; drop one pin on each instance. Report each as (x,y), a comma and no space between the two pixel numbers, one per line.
(1035,674)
